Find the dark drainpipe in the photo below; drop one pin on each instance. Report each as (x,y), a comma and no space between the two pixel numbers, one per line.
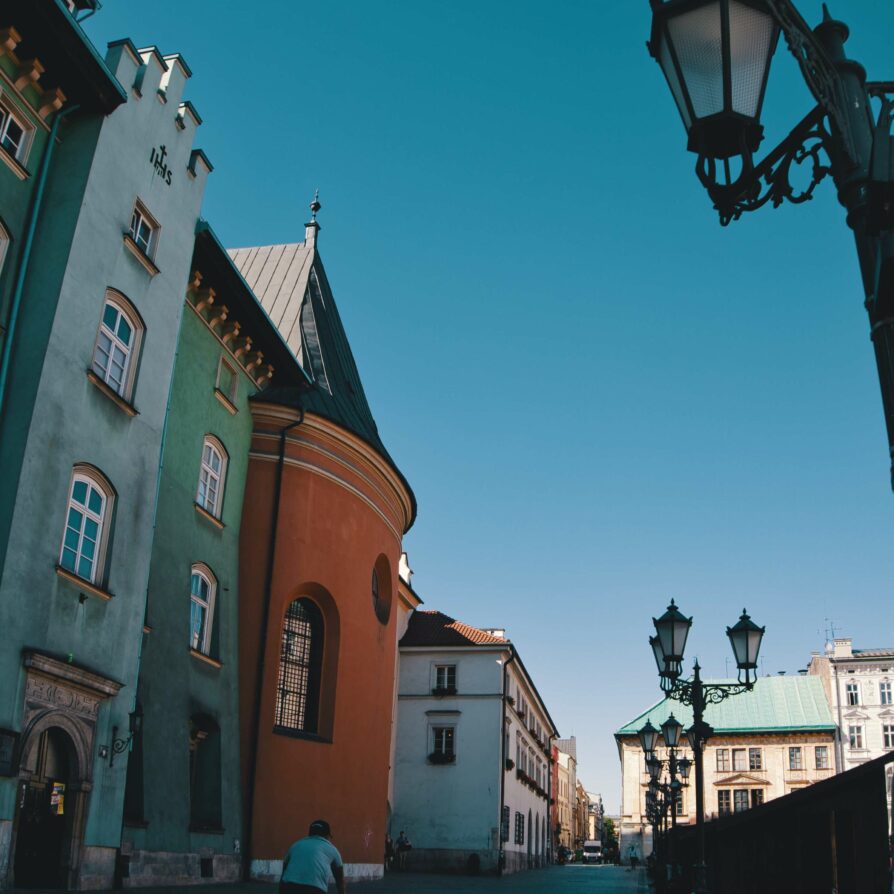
(502,853)
(262,646)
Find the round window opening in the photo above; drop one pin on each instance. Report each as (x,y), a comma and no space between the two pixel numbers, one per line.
(380,586)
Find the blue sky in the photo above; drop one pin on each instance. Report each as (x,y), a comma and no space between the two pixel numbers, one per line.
(601,397)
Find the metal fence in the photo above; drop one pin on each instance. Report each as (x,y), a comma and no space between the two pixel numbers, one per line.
(832,837)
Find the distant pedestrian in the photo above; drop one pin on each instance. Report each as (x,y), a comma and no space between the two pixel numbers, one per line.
(310,861)
(389,852)
(404,846)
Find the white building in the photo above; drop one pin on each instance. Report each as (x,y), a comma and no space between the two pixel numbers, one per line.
(859,684)
(472,763)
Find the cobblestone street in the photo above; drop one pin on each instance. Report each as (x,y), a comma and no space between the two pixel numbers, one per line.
(573,879)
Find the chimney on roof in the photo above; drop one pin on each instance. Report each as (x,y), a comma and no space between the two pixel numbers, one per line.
(843,647)
(311,227)
(499,632)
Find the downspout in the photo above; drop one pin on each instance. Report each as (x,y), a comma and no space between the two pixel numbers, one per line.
(501,859)
(839,744)
(25,257)
(262,646)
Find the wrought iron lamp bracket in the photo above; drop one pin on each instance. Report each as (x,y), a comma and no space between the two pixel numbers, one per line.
(770,179)
(689,692)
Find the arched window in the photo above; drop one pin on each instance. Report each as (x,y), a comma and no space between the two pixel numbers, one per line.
(212,476)
(87,524)
(202,590)
(4,244)
(300,663)
(117,344)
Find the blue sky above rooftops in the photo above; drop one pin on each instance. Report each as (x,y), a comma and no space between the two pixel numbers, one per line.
(601,398)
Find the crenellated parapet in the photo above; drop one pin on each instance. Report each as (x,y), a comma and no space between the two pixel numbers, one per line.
(211,309)
(24,75)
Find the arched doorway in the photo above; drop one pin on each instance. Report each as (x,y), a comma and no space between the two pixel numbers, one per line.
(44,814)
(529,837)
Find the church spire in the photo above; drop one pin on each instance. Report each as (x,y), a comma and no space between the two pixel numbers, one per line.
(311,227)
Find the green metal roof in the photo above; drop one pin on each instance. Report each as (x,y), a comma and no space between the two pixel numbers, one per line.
(775,704)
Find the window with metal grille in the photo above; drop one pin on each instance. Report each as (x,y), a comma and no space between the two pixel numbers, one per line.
(504,824)
(519,828)
(300,659)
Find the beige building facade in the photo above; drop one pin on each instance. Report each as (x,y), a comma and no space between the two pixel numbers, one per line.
(767,743)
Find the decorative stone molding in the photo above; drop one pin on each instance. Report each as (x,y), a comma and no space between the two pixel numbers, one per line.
(227,331)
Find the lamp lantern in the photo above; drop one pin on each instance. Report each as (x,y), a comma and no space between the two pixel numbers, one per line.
(745,637)
(715,55)
(673,629)
(648,737)
(671,729)
(684,765)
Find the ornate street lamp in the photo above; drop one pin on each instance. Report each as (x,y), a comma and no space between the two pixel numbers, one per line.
(715,55)
(648,738)
(672,630)
(745,637)
(684,765)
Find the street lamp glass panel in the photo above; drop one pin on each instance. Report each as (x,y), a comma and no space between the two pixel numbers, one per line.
(696,37)
(684,765)
(658,652)
(752,40)
(745,637)
(673,629)
(648,737)
(671,729)
(655,769)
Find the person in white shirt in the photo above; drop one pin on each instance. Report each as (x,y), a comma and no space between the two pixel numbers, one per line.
(310,861)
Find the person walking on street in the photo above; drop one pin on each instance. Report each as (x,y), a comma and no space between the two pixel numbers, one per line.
(403,847)
(310,861)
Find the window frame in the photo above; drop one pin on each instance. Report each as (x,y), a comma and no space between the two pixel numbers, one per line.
(884,690)
(310,698)
(724,802)
(887,735)
(94,479)
(795,757)
(449,671)
(140,210)
(5,242)
(821,763)
(442,738)
(231,393)
(724,762)
(852,693)
(124,309)
(740,760)
(213,442)
(203,572)
(855,736)
(755,758)
(9,111)
(741,800)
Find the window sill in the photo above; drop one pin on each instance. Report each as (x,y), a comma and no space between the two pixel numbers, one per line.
(299,734)
(206,658)
(144,259)
(84,585)
(124,405)
(201,829)
(14,164)
(231,407)
(212,519)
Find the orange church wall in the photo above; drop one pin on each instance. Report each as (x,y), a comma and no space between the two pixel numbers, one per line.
(343,510)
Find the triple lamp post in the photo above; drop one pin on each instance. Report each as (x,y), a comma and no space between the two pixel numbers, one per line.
(668,645)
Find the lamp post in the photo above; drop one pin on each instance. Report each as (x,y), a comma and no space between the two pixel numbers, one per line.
(672,630)
(715,55)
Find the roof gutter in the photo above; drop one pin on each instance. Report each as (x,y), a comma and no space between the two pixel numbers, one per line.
(25,256)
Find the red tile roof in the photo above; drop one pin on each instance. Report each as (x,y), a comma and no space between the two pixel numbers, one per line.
(433,628)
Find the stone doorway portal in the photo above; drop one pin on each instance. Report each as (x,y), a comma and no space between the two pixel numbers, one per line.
(45,806)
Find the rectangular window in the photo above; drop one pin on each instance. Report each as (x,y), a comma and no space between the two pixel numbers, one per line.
(723,759)
(445,677)
(821,753)
(739,759)
(755,759)
(13,133)
(888,735)
(884,692)
(143,229)
(794,759)
(853,693)
(504,824)
(855,736)
(724,803)
(757,797)
(519,828)
(443,741)
(227,380)
(740,800)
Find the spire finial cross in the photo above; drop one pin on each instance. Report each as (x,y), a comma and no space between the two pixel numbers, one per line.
(315,205)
